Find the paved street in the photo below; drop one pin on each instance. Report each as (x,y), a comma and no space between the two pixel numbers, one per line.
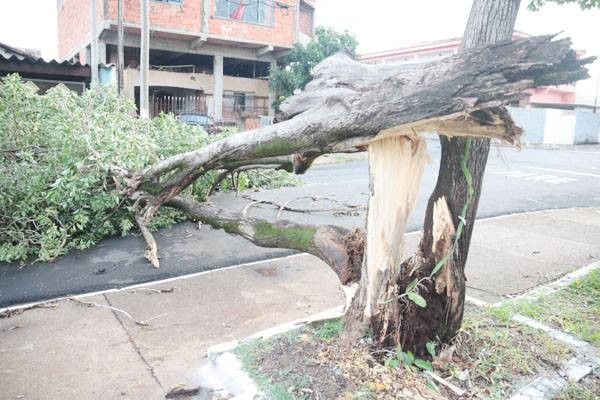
(515,181)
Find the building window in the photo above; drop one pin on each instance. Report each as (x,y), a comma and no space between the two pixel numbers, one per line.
(253,11)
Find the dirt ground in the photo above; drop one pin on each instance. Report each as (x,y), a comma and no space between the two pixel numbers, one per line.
(488,359)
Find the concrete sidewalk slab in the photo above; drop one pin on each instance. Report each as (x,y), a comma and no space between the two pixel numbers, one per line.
(71,352)
(222,306)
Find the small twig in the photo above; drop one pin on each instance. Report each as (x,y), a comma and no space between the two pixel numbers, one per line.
(217,181)
(151,290)
(115,309)
(285,206)
(12,328)
(458,391)
(245,210)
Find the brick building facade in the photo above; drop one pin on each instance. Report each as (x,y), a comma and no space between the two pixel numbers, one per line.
(217,50)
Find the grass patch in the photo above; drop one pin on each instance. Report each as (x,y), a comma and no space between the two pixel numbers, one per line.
(489,359)
(493,355)
(329,329)
(574,309)
(587,389)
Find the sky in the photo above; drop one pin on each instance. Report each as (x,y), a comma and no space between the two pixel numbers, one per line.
(380,25)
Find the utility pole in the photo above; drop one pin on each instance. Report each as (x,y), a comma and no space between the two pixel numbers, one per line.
(120,50)
(144,59)
(94,52)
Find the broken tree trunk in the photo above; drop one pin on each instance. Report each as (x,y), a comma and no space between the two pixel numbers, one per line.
(350,105)
(435,275)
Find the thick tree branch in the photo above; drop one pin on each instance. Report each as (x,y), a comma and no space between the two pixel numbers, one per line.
(349,104)
(334,108)
(340,248)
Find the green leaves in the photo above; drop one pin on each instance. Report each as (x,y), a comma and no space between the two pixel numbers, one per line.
(408,359)
(417,299)
(430,348)
(56,193)
(536,5)
(424,364)
(298,64)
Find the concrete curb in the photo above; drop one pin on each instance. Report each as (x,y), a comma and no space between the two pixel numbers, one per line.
(549,383)
(223,372)
(555,285)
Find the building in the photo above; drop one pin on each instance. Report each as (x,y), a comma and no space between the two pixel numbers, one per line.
(432,51)
(43,74)
(210,56)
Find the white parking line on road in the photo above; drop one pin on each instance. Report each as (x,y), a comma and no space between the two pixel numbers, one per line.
(564,171)
(584,152)
(533,176)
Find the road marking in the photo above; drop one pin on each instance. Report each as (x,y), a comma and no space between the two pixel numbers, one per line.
(564,171)
(533,176)
(584,152)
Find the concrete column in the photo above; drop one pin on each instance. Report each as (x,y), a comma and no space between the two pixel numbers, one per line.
(271,94)
(204,16)
(102,56)
(144,58)
(218,86)
(94,52)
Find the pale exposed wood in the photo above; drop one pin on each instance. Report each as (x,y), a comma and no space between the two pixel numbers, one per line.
(442,247)
(396,165)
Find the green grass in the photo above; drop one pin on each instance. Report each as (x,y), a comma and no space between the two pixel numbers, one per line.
(248,354)
(576,391)
(329,329)
(501,354)
(574,309)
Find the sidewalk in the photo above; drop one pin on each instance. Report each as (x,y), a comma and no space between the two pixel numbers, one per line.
(73,351)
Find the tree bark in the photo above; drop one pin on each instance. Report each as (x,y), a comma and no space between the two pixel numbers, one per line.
(340,248)
(386,108)
(403,321)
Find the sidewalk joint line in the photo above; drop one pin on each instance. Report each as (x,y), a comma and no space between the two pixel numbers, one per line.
(135,346)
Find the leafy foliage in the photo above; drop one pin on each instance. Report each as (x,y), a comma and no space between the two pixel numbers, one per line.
(56,191)
(297,66)
(535,5)
(408,359)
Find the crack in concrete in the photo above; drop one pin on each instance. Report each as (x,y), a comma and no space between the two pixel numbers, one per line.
(135,347)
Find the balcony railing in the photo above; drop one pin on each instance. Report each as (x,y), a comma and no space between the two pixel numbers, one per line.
(234,107)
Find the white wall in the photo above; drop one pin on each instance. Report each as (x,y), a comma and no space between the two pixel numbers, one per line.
(560,127)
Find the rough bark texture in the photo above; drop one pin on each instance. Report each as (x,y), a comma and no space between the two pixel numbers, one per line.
(489,22)
(403,322)
(340,248)
(350,106)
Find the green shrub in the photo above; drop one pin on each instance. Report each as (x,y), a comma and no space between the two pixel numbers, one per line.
(56,193)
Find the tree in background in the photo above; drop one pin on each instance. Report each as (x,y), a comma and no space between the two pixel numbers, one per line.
(535,5)
(295,70)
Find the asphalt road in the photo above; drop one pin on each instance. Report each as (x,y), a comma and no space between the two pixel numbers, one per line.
(515,181)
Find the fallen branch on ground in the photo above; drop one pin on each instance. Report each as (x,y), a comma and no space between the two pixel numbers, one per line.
(349,210)
(115,309)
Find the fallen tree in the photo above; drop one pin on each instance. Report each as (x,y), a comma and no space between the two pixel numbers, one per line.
(351,106)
